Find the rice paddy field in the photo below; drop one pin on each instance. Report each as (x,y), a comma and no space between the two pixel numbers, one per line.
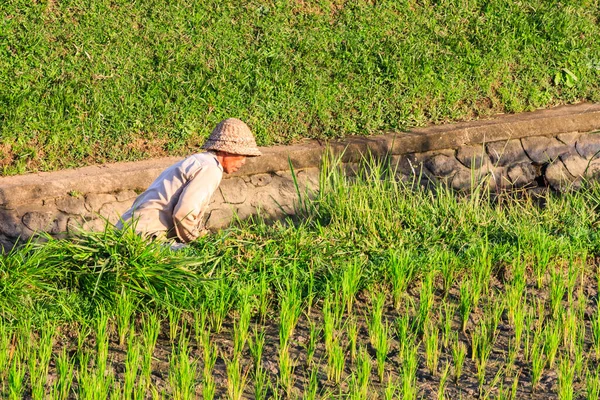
(376,290)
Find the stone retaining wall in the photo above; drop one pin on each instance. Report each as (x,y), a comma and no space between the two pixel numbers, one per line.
(553,149)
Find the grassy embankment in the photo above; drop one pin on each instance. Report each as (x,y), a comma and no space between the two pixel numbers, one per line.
(91,82)
(380,290)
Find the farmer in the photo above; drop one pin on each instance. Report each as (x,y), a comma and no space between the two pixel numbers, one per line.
(173,205)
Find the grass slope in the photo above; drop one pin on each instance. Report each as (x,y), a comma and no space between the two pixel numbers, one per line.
(94,81)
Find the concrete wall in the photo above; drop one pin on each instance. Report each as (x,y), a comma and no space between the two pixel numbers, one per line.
(551,149)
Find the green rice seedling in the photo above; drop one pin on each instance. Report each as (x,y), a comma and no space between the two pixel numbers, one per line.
(426,300)
(482,270)
(391,388)
(199,323)
(557,290)
(6,337)
(311,345)
(257,344)
(182,371)
(404,334)
(570,330)
(459,352)
(551,342)
(261,383)
(150,330)
(518,325)
(336,360)
(39,361)
(592,384)
(331,319)
(132,366)
(102,341)
(290,311)
(401,269)
(264,296)
(494,316)
(595,323)
(236,378)
(64,370)
(352,332)
(312,387)
(466,303)
(492,386)
(209,352)
(432,351)
(449,311)
(351,280)
(241,327)
(174,315)
(382,348)
(16,378)
(566,377)
(443,381)
(538,361)
(541,248)
(286,370)
(92,383)
(481,350)
(447,266)
(409,375)
(359,381)
(218,302)
(125,308)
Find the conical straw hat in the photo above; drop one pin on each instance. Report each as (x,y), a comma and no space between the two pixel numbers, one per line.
(232,136)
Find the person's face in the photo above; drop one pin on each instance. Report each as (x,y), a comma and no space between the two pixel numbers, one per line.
(232,162)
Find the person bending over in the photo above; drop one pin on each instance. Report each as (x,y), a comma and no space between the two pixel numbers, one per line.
(173,205)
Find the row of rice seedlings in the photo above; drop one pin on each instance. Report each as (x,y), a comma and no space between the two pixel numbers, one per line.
(39,362)
(261,380)
(401,270)
(379,331)
(182,370)
(290,311)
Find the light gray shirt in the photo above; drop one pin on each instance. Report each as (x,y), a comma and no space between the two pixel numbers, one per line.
(175,202)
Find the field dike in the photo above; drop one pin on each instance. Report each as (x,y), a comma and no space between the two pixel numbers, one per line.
(550,149)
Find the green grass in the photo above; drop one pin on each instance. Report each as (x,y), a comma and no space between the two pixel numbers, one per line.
(112,314)
(92,82)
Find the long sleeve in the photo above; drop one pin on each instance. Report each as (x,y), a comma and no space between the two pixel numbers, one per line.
(193,201)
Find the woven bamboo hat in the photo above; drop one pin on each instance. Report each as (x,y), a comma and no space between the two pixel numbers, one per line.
(232,136)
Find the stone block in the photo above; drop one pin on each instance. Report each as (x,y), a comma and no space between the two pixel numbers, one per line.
(442,165)
(506,153)
(125,195)
(588,145)
(95,201)
(113,211)
(569,138)
(462,181)
(39,220)
(523,175)
(260,180)
(10,223)
(74,224)
(473,157)
(71,205)
(219,218)
(233,190)
(244,212)
(542,150)
(94,225)
(558,177)
(575,164)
